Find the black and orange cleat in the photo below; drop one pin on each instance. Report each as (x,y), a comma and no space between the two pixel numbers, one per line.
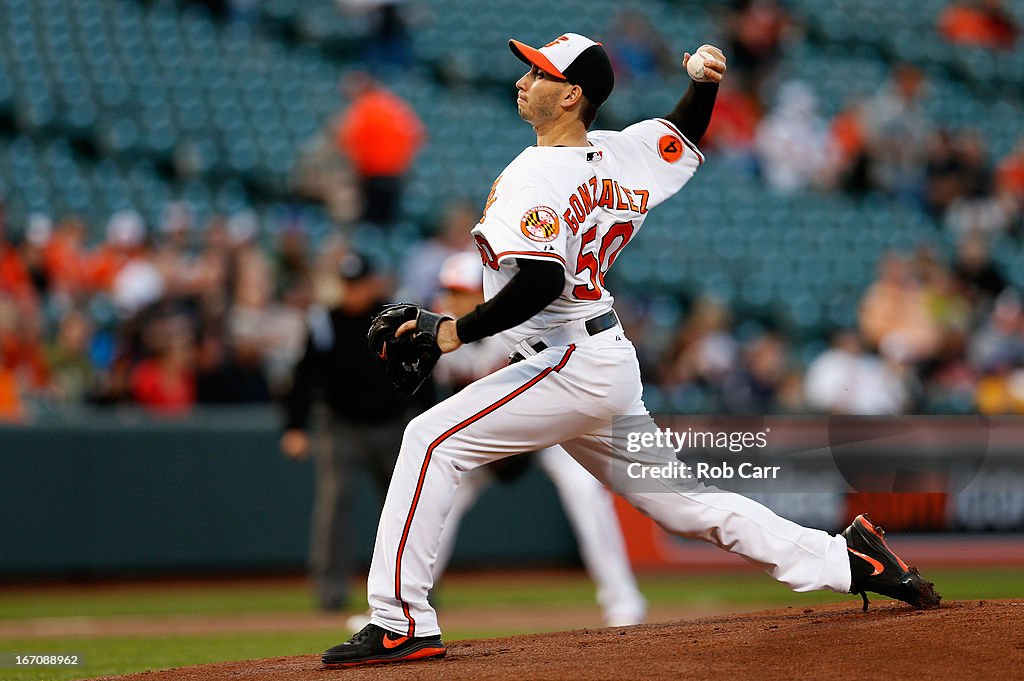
(375,645)
(874,567)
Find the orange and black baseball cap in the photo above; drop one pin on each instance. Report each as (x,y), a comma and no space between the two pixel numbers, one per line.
(573,58)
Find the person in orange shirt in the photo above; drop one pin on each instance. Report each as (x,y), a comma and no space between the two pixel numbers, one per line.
(380,134)
(11,408)
(981,23)
(850,140)
(64,256)
(15,279)
(23,369)
(14,276)
(1010,174)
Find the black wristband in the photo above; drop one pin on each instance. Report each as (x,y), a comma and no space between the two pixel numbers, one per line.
(470,328)
(692,113)
(533,287)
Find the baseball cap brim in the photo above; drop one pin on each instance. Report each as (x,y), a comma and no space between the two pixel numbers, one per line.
(533,56)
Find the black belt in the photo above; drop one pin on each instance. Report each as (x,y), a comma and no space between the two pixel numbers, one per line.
(593,326)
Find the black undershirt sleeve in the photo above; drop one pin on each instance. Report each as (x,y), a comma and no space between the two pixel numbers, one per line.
(531,289)
(693,111)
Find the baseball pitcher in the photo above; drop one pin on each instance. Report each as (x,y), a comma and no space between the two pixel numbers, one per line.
(556,220)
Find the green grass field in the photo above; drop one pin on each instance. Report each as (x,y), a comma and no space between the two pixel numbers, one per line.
(108,655)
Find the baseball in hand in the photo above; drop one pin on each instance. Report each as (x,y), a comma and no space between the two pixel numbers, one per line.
(695,65)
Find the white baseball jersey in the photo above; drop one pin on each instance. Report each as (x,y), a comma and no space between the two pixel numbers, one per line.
(579,206)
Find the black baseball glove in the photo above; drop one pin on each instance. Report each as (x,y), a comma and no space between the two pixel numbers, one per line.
(411,358)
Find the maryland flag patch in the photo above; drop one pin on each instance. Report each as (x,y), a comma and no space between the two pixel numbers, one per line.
(540,224)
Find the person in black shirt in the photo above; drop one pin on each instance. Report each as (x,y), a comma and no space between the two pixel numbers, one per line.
(365,419)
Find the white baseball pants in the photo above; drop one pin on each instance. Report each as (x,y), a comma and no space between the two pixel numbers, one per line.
(567,395)
(589,508)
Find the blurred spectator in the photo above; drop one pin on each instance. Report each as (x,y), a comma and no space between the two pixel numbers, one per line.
(974,267)
(999,344)
(249,322)
(847,380)
(326,286)
(15,278)
(366,417)
(138,284)
(997,353)
(1000,393)
(11,408)
(793,145)
(943,291)
(126,348)
(230,371)
(460,290)
(636,48)
(705,350)
(979,23)
(755,31)
(64,259)
(897,133)
(386,42)
(37,235)
(214,267)
(291,254)
(977,165)
(380,134)
(284,339)
(754,386)
(125,237)
(165,382)
(321,174)
(24,374)
(1010,185)
(848,136)
(250,276)
(734,125)
(22,331)
(894,314)
(986,214)
(453,235)
(1010,173)
(179,269)
(267,317)
(944,173)
(71,369)
(977,208)
(947,305)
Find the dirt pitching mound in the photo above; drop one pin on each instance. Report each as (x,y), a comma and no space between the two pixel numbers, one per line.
(960,640)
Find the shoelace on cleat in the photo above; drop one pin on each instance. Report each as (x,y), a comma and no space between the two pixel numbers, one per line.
(360,635)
